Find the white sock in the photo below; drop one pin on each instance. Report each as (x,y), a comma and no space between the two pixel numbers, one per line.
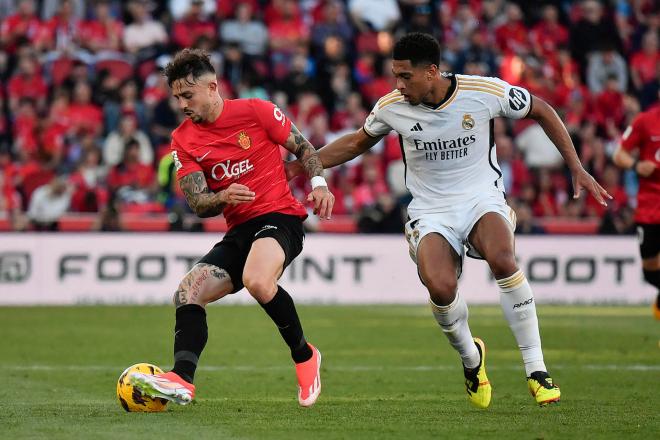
(453,320)
(519,309)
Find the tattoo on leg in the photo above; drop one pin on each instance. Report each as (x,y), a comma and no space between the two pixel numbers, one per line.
(192,284)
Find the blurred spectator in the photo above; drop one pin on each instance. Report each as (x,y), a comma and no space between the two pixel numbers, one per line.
(384,217)
(192,25)
(84,115)
(374,15)
(144,37)
(179,8)
(62,30)
(24,25)
(116,142)
(287,32)
(333,23)
(27,82)
(50,8)
(644,62)
(129,104)
(132,181)
(512,35)
(525,221)
(104,32)
(537,148)
(89,194)
(251,35)
(48,203)
(592,31)
(604,65)
(548,35)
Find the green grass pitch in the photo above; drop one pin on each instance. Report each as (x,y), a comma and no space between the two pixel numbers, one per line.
(388,372)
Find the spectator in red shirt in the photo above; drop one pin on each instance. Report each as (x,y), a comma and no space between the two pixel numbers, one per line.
(62,31)
(132,181)
(192,26)
(89,195)
(609,103)
(84,115)
(611,182)
(23,24)
(102,33)
(548,35)
(512,36)
(643,63)
(27,82)
(286,34)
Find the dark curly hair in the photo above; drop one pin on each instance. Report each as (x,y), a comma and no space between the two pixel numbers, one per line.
(188,62)
(417,47)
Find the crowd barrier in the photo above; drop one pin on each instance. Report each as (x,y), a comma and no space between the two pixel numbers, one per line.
(115,268)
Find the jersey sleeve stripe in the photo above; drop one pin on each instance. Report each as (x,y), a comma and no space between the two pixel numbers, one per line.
(481,89)
(480,82)
(390,101)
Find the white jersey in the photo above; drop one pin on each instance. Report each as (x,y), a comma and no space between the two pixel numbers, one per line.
(449,150)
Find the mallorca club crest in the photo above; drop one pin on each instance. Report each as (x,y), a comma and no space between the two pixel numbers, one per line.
(468,122)
(244,140)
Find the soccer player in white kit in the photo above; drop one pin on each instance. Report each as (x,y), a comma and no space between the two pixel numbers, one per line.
(445,126)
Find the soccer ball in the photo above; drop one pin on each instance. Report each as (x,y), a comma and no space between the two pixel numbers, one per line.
(131,399)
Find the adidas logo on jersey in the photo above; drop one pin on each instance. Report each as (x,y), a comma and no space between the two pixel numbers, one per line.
(417,127)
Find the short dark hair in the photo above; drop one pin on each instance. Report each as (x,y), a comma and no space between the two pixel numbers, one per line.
(195,62)
(417,47)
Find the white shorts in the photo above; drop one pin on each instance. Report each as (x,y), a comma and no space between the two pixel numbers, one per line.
(455,225)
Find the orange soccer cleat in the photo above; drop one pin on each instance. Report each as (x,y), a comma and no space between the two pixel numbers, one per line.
(168,386)
(309,378)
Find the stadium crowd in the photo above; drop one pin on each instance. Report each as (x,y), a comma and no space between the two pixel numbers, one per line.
(86,116)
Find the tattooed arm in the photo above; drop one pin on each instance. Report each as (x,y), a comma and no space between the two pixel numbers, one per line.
(305,152)
(311,163)
(206,203)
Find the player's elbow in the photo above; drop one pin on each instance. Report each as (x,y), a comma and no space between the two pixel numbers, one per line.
(541,110)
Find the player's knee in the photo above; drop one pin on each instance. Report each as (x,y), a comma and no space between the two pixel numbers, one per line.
(261,287)
(442,290)
(503,263)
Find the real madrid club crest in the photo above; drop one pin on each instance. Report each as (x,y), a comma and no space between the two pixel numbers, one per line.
(468,122)
(244,140)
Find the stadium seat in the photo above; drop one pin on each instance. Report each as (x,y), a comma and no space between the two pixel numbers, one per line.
(120,69)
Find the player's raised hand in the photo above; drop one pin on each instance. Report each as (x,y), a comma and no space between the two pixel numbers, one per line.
(583,180)
(293,168)
(323,201)
(236,193)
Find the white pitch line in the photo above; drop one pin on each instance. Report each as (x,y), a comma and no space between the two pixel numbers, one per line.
(342,368)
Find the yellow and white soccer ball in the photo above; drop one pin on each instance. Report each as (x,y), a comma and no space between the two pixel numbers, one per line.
(131,399)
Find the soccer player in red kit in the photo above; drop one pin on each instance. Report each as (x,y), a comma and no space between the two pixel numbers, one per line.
(643,137)
(227,156)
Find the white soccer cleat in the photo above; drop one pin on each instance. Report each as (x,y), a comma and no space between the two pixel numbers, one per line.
(168,386)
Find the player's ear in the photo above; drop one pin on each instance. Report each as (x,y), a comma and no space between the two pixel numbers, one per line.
(213,85)
(431,72)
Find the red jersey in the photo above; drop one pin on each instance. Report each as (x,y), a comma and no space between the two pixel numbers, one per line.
(644,135)
(241,146)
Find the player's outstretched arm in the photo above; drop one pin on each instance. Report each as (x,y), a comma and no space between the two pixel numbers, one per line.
(207,204)
(553,126)
(323,199)
(337,152)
